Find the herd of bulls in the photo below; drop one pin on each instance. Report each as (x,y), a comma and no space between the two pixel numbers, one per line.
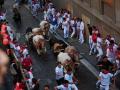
(39,37)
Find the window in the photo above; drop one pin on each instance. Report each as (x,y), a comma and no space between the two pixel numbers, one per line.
(86,2)
(108,8)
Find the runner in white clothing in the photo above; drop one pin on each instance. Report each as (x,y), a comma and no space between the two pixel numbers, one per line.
(72,24)
(66,86)
(66,28)
(111,52)
(105,78)
(99,47)
(81,36)
(59,70)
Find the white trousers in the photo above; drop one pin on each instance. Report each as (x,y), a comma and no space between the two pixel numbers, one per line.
(90,41)
(45,16)
(112,60)
(102,87)
(94,48)
(66,33)
(73,32)
(100,53)
(53,27)
(81,37)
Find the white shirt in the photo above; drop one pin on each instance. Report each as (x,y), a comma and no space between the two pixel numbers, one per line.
(17,48)
(58,14)
(111,54)
(107,42)
(69,78)
(65,14)
(65,25)
(30,78)
(10,32)
(25,52)
(82,26)
(59,72)
(49,11)
(99,42)
(53,11)
(70,87)
(118,64)
(78,25)
(72,22)
(59,20)
(12,45)
(2,18)
(105,78)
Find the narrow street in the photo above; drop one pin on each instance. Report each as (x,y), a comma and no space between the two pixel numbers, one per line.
(43,67)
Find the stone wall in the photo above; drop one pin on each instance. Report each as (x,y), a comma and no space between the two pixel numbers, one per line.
(79,11)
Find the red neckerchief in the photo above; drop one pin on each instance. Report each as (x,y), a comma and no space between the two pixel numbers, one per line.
(105,72)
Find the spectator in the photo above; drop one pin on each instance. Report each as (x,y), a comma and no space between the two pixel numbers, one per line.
(117,79)
(35,84)
(3,65)
(29,77)
(25,52)
(27,62)
(13,70)
(20,86)
(46,87)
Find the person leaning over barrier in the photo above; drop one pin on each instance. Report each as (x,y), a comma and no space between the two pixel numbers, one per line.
(46,87)
(3,65)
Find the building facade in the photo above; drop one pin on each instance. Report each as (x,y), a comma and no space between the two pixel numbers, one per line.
(103,13)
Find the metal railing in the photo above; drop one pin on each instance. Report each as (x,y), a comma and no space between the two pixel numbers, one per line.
(23,74)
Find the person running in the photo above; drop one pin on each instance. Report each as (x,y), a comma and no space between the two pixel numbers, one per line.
(111,52)
(66,86)
(99,47)
(105,64)
(81,35)
(78,27)
(94,42)
(105,79)
(72,24)
(59,70)
(90,35)
(66,28)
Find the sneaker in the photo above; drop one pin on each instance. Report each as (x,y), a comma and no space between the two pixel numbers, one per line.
(90,54)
